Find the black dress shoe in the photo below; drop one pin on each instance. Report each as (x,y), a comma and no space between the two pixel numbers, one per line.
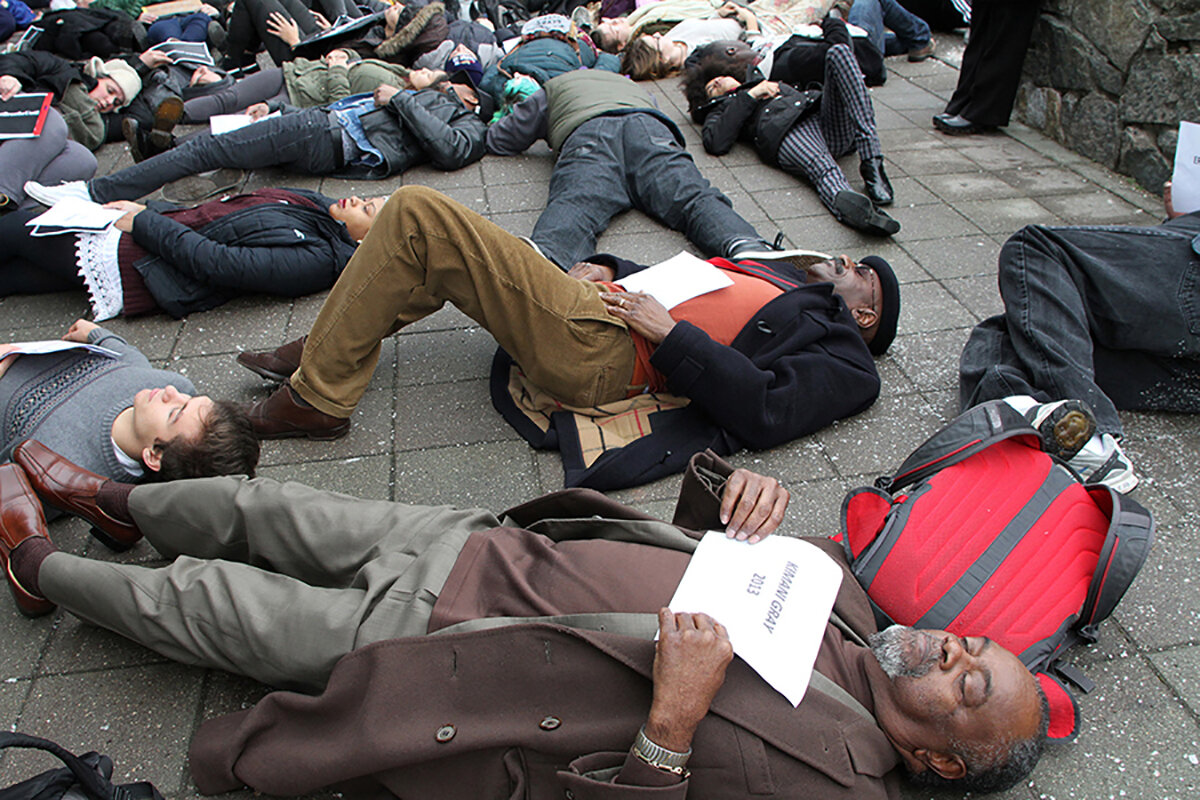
(879,188)
(857,211)
(956,125)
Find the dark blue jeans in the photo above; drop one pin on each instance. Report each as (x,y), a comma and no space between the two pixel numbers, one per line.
(1107,315)
(613,163)
(303,141)
(875,15)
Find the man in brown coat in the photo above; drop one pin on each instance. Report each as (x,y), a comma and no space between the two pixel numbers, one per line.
(467,655)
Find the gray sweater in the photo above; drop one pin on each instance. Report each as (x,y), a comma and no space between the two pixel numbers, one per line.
(68,401)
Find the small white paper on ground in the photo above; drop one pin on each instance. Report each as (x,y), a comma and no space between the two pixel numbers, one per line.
(774,598)
(1185,181)
(681,277)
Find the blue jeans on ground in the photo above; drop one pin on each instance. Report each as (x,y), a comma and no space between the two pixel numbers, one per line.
(305,141)
(1108,315)
(186,28)
(873,16)
(613,163)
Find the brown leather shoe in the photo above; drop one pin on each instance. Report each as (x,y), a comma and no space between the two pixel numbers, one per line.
(284,415)
(274,365)
(21,519)
(71,488)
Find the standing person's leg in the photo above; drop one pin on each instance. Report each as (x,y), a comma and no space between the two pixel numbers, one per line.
(991,69)
(667,185)
(261,87)
(587,189)
(304,142)
(425,250)
(306,597)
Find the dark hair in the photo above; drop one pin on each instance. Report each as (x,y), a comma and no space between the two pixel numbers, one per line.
(734,59)
(985,771)
(226,445)
(641,61)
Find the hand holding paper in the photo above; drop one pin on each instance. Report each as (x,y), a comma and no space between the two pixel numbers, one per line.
(690,659)
(774,599)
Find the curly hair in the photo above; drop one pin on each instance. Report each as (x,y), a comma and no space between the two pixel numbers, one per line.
(734,59)
(985,771)
(226,445)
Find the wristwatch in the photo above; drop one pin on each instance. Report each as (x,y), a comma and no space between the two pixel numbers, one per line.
(660,757)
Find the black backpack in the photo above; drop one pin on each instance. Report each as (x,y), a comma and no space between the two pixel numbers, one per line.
(85,777)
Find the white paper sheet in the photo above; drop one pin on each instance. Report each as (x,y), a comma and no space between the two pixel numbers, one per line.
(681,277)
(77,214)
(224,123)
(1185,181)
(57,345)
(774,598)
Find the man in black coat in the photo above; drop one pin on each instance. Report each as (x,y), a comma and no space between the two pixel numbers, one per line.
(358,137)
(778,353)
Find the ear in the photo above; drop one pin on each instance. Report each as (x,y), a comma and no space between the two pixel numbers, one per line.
(152,457)
(865,316)
(949,765)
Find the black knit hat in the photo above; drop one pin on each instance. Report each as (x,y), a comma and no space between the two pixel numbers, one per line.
(890,287)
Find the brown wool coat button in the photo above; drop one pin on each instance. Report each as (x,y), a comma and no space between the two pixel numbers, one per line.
(445,733)
(549,723)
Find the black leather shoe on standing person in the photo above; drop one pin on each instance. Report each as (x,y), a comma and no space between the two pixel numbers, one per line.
(879,188)
(857,211)
(956,125)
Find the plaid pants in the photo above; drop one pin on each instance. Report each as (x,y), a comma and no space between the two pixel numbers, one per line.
(846,121)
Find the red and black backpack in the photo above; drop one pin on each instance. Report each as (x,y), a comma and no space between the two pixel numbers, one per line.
(980,532)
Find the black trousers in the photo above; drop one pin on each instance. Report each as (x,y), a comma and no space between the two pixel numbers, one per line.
(991,68)
(35,264)
(941,15)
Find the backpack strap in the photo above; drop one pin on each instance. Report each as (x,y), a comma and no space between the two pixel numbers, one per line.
(973,430)
(94,785)
(1126,546)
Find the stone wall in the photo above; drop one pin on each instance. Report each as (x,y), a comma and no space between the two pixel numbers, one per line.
(1111,79)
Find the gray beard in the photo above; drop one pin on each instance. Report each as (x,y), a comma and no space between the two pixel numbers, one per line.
(888,648)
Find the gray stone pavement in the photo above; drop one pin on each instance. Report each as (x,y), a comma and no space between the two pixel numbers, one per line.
(426,432)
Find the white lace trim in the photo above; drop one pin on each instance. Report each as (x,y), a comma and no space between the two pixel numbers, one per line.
(96,255)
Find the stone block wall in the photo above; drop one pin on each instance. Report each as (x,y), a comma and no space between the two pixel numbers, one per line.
(1111,79)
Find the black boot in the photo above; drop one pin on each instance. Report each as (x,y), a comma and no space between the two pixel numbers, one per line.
(879,188)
